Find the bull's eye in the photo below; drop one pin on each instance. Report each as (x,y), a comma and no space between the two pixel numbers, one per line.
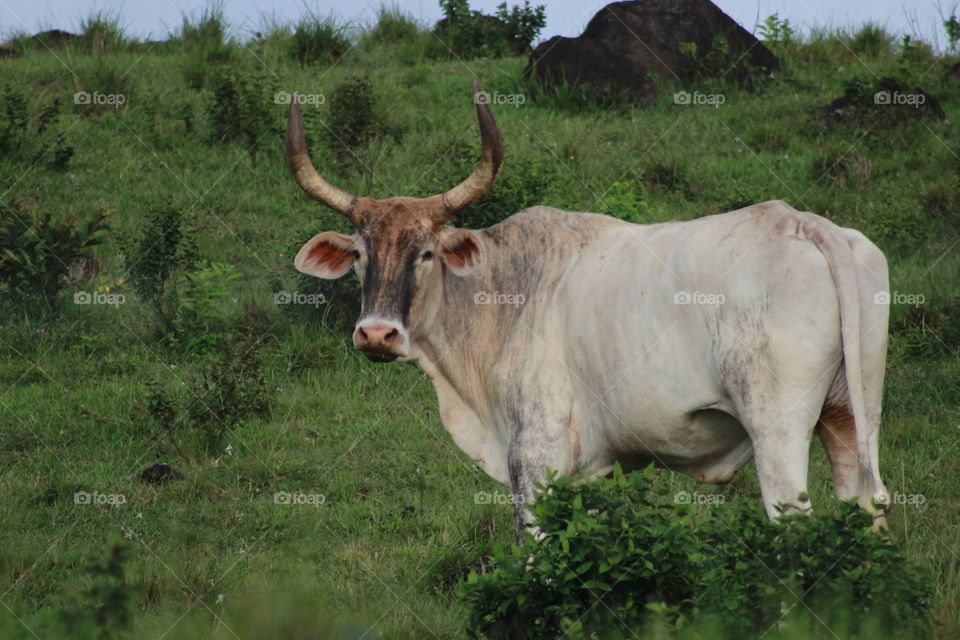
(426,256)
(355,254)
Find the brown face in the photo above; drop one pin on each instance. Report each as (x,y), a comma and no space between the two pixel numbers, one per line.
(401,244)
(395,252)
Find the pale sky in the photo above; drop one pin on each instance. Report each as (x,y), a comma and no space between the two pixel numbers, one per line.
(149,18)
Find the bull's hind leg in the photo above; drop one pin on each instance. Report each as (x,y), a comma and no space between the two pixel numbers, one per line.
(781,445)
(839,437)
(780,419)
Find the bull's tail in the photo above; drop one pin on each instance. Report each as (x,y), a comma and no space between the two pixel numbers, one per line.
(843,270)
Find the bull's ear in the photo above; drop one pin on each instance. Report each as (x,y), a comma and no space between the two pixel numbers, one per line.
(462,251)
(327,255)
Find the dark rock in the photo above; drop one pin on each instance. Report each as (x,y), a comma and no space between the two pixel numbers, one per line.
(887,100)
(55,38)
(628,42)
(160,473)
(9,53)
(953,74)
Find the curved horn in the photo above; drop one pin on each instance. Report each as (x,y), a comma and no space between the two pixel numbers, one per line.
(307,177)
(483,176)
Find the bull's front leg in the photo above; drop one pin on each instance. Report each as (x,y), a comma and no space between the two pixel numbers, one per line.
(534,448)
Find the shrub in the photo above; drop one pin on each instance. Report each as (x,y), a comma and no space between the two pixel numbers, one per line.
(156,258)
(776,33)
(212,398)
(105,77)
(466,33)
(871,40)
(104,609)
(622,542)
(37,253)
(356,127)
(718,62)
(207,45)
(625,201)
(101,32)
(392,27)
(201,320)
(25,137)
(232,388)
(952,26)
(243,106)
(316,40)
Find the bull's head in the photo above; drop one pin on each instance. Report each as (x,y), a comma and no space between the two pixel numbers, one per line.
(401,245)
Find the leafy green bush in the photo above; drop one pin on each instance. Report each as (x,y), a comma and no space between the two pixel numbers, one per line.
(29,137)
(357,128)
(392,26)
(201,322)
(871,40)
(619,555)
(467,33)
(101,32)
(209,399)
(243,108)
(952,26)
(776,33)
(162,252)
(718,62)
(232,388)
(105,608)
(206,44)
(37,253)
(624,200)
(316,40)
(104,85)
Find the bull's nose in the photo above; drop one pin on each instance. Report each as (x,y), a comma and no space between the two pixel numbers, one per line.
(380,340)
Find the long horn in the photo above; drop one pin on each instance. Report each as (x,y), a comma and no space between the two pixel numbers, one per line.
(307,177)
(483,176)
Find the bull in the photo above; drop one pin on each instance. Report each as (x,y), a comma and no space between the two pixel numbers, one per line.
(693,345)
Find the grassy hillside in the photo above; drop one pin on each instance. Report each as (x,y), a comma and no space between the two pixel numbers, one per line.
(248,399)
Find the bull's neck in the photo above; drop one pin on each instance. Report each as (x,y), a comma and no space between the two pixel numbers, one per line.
(470,320)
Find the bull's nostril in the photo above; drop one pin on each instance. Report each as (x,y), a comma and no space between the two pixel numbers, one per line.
(391,336)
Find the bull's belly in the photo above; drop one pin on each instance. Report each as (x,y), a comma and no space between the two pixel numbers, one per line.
(708,445)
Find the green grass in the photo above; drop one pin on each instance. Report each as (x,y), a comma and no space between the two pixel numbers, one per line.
(399,526)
